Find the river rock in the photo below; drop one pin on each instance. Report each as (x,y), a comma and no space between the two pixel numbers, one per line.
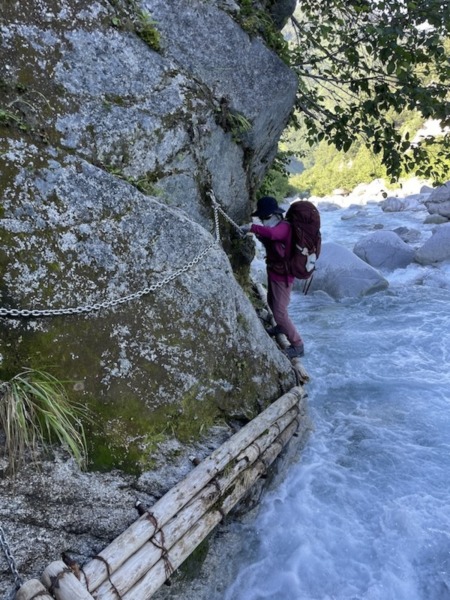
(439,201)
(437,248)
(325,206)
(435,219)
(363,192)
(384,250)
(341,274)
(407,234)
(354,211)
(394,204)
(391,205)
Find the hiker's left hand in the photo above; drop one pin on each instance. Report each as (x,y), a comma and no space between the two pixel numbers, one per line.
(246,228)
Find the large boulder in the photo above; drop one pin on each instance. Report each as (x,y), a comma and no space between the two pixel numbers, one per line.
(439,201)
(341,274)
(384,250)
(117,119)
(437,248)
(394,204)
(115,124)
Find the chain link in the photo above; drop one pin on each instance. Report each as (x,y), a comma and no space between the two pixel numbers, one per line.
(88,308)
(9,557)
(218,209)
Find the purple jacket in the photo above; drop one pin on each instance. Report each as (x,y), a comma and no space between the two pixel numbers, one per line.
(277,242)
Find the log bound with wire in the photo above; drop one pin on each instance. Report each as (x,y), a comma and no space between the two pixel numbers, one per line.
(142,558)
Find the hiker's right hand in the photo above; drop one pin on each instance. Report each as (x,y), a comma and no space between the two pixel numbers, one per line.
(246,228)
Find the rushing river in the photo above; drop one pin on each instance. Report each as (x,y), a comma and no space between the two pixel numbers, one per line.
(365,513)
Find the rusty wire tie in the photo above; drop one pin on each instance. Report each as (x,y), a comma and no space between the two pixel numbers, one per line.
(109,574)
(161,545)
(54,581)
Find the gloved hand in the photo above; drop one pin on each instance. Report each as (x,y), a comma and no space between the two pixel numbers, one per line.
(246,228)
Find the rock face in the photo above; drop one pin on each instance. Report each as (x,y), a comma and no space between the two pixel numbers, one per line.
(384,250)
(341,274)
(116,121)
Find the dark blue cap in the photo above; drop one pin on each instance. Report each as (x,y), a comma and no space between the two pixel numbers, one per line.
(267,206)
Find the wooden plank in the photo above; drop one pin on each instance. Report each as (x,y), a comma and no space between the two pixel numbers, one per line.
(133,538)
(60,580)
(156,576)
(33,590)
(143,560)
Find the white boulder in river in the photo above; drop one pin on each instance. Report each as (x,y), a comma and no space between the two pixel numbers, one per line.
(341,274)
(439,201)
(437,248)
(384,250)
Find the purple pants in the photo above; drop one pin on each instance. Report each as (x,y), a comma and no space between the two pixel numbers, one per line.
(278,298)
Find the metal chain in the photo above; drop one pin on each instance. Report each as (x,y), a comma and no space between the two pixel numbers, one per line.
(218,208)
(53,312)
(9,557)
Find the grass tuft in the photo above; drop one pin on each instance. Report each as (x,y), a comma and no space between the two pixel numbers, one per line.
(36,412)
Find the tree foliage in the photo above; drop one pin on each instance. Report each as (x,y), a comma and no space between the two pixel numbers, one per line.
(360,62)
(277,182)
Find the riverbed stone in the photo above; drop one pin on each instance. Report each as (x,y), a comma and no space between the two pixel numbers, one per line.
(395,204)
(408,234)
(439,201)
(435,219)
(341,274)
(384,250)
(437,248)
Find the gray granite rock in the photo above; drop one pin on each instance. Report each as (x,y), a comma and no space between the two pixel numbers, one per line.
(408,235)
(384,250)
(341,274)
(438,201)
(437,248)
(115,126)
(105,181)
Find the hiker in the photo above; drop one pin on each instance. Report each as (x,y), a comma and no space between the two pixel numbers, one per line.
(276,235)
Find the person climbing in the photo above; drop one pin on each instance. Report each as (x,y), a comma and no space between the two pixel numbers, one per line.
(276,236)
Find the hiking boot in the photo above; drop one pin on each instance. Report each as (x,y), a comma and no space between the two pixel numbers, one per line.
(273,331)
(294,351)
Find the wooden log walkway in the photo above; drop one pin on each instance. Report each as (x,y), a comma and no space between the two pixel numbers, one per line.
(142,558)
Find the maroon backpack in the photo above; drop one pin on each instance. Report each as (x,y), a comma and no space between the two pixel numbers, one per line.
(306,239)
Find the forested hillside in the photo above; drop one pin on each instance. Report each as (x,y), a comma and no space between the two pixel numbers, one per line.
(326,169)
